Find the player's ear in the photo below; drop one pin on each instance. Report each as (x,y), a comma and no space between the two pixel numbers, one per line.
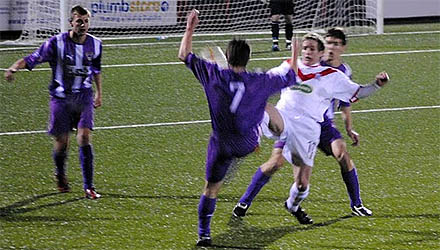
(344,46)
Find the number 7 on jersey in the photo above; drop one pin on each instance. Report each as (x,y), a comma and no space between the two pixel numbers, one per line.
(238,88)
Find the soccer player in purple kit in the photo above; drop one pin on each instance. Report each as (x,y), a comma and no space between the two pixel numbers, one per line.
(236,99)
(75,59)
(330,142)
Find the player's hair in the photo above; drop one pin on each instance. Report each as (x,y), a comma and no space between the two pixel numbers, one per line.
(337,33)
(78,9)
(315,37)
(238,52)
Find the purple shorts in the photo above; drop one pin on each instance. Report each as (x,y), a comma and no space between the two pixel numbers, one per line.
(222,152)
(329,133)
(75,111)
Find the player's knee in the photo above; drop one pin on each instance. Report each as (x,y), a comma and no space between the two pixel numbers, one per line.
(62,140)
(83,136)
(275,162)
(212,189)
(83,139)
(340,151)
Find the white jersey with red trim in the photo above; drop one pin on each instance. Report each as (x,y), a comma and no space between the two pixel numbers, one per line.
(318,86)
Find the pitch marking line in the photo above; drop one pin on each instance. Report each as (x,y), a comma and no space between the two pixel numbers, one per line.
(207,121)
(259,59)
(30,46)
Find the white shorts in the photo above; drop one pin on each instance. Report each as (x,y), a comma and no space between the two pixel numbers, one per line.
(302,138)
(264,126)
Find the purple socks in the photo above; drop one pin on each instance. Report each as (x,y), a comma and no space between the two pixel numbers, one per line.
(86,160)
(206,211)
(59,159)
(257,183)
(352,184)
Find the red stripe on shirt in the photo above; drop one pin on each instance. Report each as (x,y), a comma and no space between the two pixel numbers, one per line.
(314,75)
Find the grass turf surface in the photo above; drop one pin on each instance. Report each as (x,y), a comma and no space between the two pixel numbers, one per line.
(151,177)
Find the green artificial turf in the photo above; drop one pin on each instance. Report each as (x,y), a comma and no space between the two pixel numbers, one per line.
(151,177)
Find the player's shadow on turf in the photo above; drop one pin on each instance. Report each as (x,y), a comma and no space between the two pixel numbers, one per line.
(21,207)
(244,236)
(133,196)
(409,216)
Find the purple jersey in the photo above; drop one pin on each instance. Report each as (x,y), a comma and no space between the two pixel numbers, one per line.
(236,100)
(73,64)
(329,114)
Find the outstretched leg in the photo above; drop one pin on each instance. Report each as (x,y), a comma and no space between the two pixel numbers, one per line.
(260,178)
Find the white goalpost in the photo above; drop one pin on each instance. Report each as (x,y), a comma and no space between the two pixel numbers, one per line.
(148,18)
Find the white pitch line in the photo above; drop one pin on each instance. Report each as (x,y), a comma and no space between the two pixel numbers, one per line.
(32,47)
(392,109)
(207,121)
(257,59)
(361,54)
(153,124)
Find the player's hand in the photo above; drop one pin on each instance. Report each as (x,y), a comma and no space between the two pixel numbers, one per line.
(97,101)
(9,74)
(296,48)
(193,19)
(382,78)
(354,137)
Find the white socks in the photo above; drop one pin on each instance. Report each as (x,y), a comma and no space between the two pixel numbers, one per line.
(296,197)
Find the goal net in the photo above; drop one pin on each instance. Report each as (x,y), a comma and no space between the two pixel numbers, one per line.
(149,18)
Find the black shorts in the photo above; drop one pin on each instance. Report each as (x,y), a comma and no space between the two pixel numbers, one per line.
(283,7)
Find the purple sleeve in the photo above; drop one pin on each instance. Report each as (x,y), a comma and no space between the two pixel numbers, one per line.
(96,62)
(199,67)
(46,53)
(278,82)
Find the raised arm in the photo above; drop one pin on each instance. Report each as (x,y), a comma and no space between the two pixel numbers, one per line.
(9,73)
(296,48)
(366,90)
(186,44)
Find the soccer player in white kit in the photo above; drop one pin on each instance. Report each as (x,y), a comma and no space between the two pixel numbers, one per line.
(302,108)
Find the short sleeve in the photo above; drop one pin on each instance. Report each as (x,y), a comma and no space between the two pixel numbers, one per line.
(343,88)
(46,53)
(200,68)
(96,61)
